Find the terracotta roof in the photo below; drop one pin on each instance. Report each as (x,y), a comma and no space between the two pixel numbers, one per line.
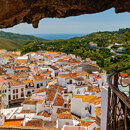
(124,75)
(39,78)
(14,82)
(82,73)
(13,123)
(59,101)
(64,115)
(21,68)
(70,75)
(79,79)
(44,113)
(54,68)
(40,101)
(41,90)
(29,101)
(56,87)
(50,94)
(98,77)
(25,111)
(89,98)
(28,81)
(98,111)
(93,89)
(34,123)
(85,123)
(61,110)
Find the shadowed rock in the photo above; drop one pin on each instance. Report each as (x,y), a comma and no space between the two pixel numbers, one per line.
(13,12)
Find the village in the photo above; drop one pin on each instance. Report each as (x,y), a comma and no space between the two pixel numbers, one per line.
(52,90)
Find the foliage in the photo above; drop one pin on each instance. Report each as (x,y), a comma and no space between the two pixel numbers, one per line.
(80,47)
(18,38)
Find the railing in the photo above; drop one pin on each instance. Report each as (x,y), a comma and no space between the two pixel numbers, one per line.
(118,113)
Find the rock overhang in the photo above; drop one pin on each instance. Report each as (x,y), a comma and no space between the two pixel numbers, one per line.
(13,12)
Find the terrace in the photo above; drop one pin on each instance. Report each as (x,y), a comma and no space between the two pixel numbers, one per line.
(118,114)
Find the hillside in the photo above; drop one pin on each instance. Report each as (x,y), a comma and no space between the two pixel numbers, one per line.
(18,38)
(8,44)
(80,46)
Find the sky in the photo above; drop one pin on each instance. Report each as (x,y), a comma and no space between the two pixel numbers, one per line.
(83,24)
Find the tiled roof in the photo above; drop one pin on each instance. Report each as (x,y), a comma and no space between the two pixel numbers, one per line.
(50,94)
(29,101)
(64,115)
(61,110)
(28,81)
(35,123)
(98,77)
(93,89)
(59,101)
(56,87)
(21,68)
(123,75)
(98,111)
(85,123)
(41,90)
(40,101)
(13,123)
(70,75)
(79,79)
(82,73)
(40,78)
(14,82)
(89,98)
(44,113)
(25,111)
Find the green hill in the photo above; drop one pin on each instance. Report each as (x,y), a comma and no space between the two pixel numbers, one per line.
(8,44)
(18,38)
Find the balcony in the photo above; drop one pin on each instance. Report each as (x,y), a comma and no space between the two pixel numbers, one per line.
(118,113)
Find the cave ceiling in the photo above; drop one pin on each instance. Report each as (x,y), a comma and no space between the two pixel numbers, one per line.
(13,12)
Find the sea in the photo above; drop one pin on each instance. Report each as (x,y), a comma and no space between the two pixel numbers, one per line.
(58,36)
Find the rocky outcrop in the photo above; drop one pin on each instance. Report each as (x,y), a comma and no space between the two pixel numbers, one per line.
(13,12)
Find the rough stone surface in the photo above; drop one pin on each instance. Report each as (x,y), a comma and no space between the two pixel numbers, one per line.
(13,12)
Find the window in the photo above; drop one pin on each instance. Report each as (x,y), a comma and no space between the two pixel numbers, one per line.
(66,123)
(90,110)
(16,90)
(13,90)
(13,96)
(41,84)
(70,81)
(37,85)
(22,94)
(22,89)
(29,84)
(78,92)
(5,90)
(86,108)
(9,97)
(16,95)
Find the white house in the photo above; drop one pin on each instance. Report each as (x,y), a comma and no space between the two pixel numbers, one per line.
(121,49)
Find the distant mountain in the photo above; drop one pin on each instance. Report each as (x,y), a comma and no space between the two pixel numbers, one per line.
(8,44)
(18,38)
(58,36)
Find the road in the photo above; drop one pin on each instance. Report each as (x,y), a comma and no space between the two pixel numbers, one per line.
(109,47)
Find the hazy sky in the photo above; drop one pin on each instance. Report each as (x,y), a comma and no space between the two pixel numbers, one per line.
(88,23)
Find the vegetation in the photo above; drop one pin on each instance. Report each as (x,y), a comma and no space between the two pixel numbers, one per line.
(8,44)
(80,46)
(18,38)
